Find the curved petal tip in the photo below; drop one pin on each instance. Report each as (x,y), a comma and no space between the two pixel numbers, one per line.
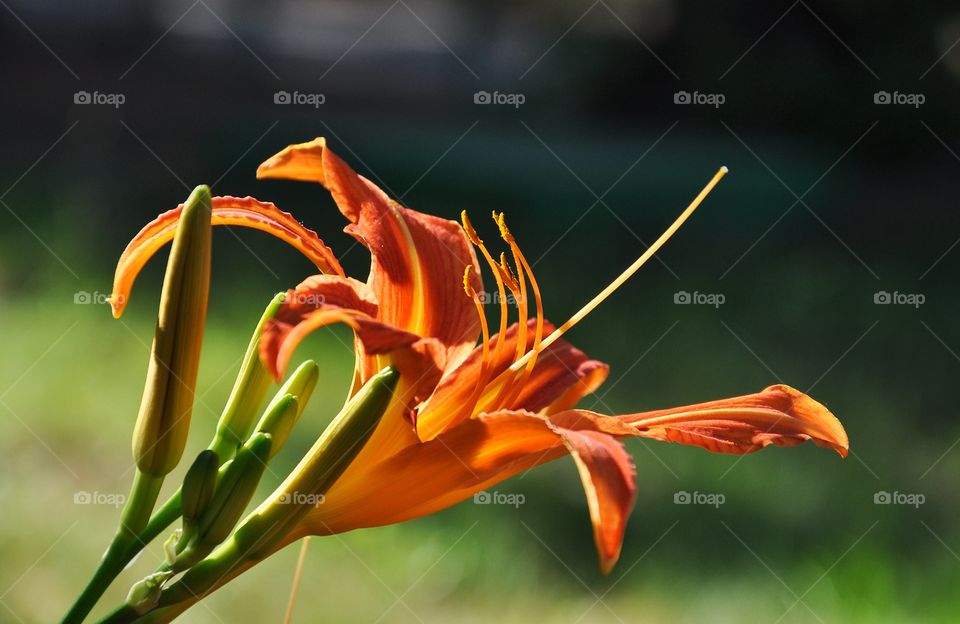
(301,161)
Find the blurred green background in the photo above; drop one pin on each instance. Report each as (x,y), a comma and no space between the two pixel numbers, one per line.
(834,196)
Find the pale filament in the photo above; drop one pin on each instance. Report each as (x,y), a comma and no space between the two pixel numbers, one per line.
(623,277)
(508,382)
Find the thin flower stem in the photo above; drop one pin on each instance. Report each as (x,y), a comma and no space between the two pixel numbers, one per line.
(125,545)
(297,573)
(222,566)
(110,566)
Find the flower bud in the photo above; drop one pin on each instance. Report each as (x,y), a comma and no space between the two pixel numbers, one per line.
(277,420)
(198,487)
(234,489)
(249,391)
(165,410)
(333,452)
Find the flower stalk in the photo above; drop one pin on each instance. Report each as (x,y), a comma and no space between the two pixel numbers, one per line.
(160,434)
(260,533)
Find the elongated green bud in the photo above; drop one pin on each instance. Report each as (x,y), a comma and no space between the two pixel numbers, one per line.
(235,488)
(161,430)
(333,452)
(300,384)
(198,488)
(249,391)
(279,420)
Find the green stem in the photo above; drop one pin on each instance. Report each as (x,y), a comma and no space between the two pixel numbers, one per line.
(228,561)
(110,566)
(125,545)
(139,507)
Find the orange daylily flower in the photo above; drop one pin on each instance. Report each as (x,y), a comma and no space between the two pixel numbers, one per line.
(466,417)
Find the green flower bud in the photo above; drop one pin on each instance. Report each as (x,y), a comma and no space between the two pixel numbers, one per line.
(236,486)
(279,420)
(198,487)
(300,384)
(333,452)
(164,419)
(249,391)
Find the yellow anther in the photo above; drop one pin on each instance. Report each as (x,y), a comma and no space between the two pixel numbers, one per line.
(468,229)
(467,286)
(501,222)
(507,273)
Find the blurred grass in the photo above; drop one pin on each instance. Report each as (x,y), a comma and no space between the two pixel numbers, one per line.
(75,376)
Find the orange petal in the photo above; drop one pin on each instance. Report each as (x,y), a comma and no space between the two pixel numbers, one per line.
(244,211)
(592,374)
(779,415)
(563,374)
(322,300)
(417,260)
(425,478)
(607,473)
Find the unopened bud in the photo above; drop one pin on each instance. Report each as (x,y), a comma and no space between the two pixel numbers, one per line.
(249,391)
(164,419)
(235,488)
(333,452)
(279,420)
(198,487)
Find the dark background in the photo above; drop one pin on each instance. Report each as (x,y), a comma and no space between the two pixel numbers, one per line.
(832,198)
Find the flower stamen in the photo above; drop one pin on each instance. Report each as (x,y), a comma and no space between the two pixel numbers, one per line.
(623,277)
(482,378)
(501,276)
(523,267)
